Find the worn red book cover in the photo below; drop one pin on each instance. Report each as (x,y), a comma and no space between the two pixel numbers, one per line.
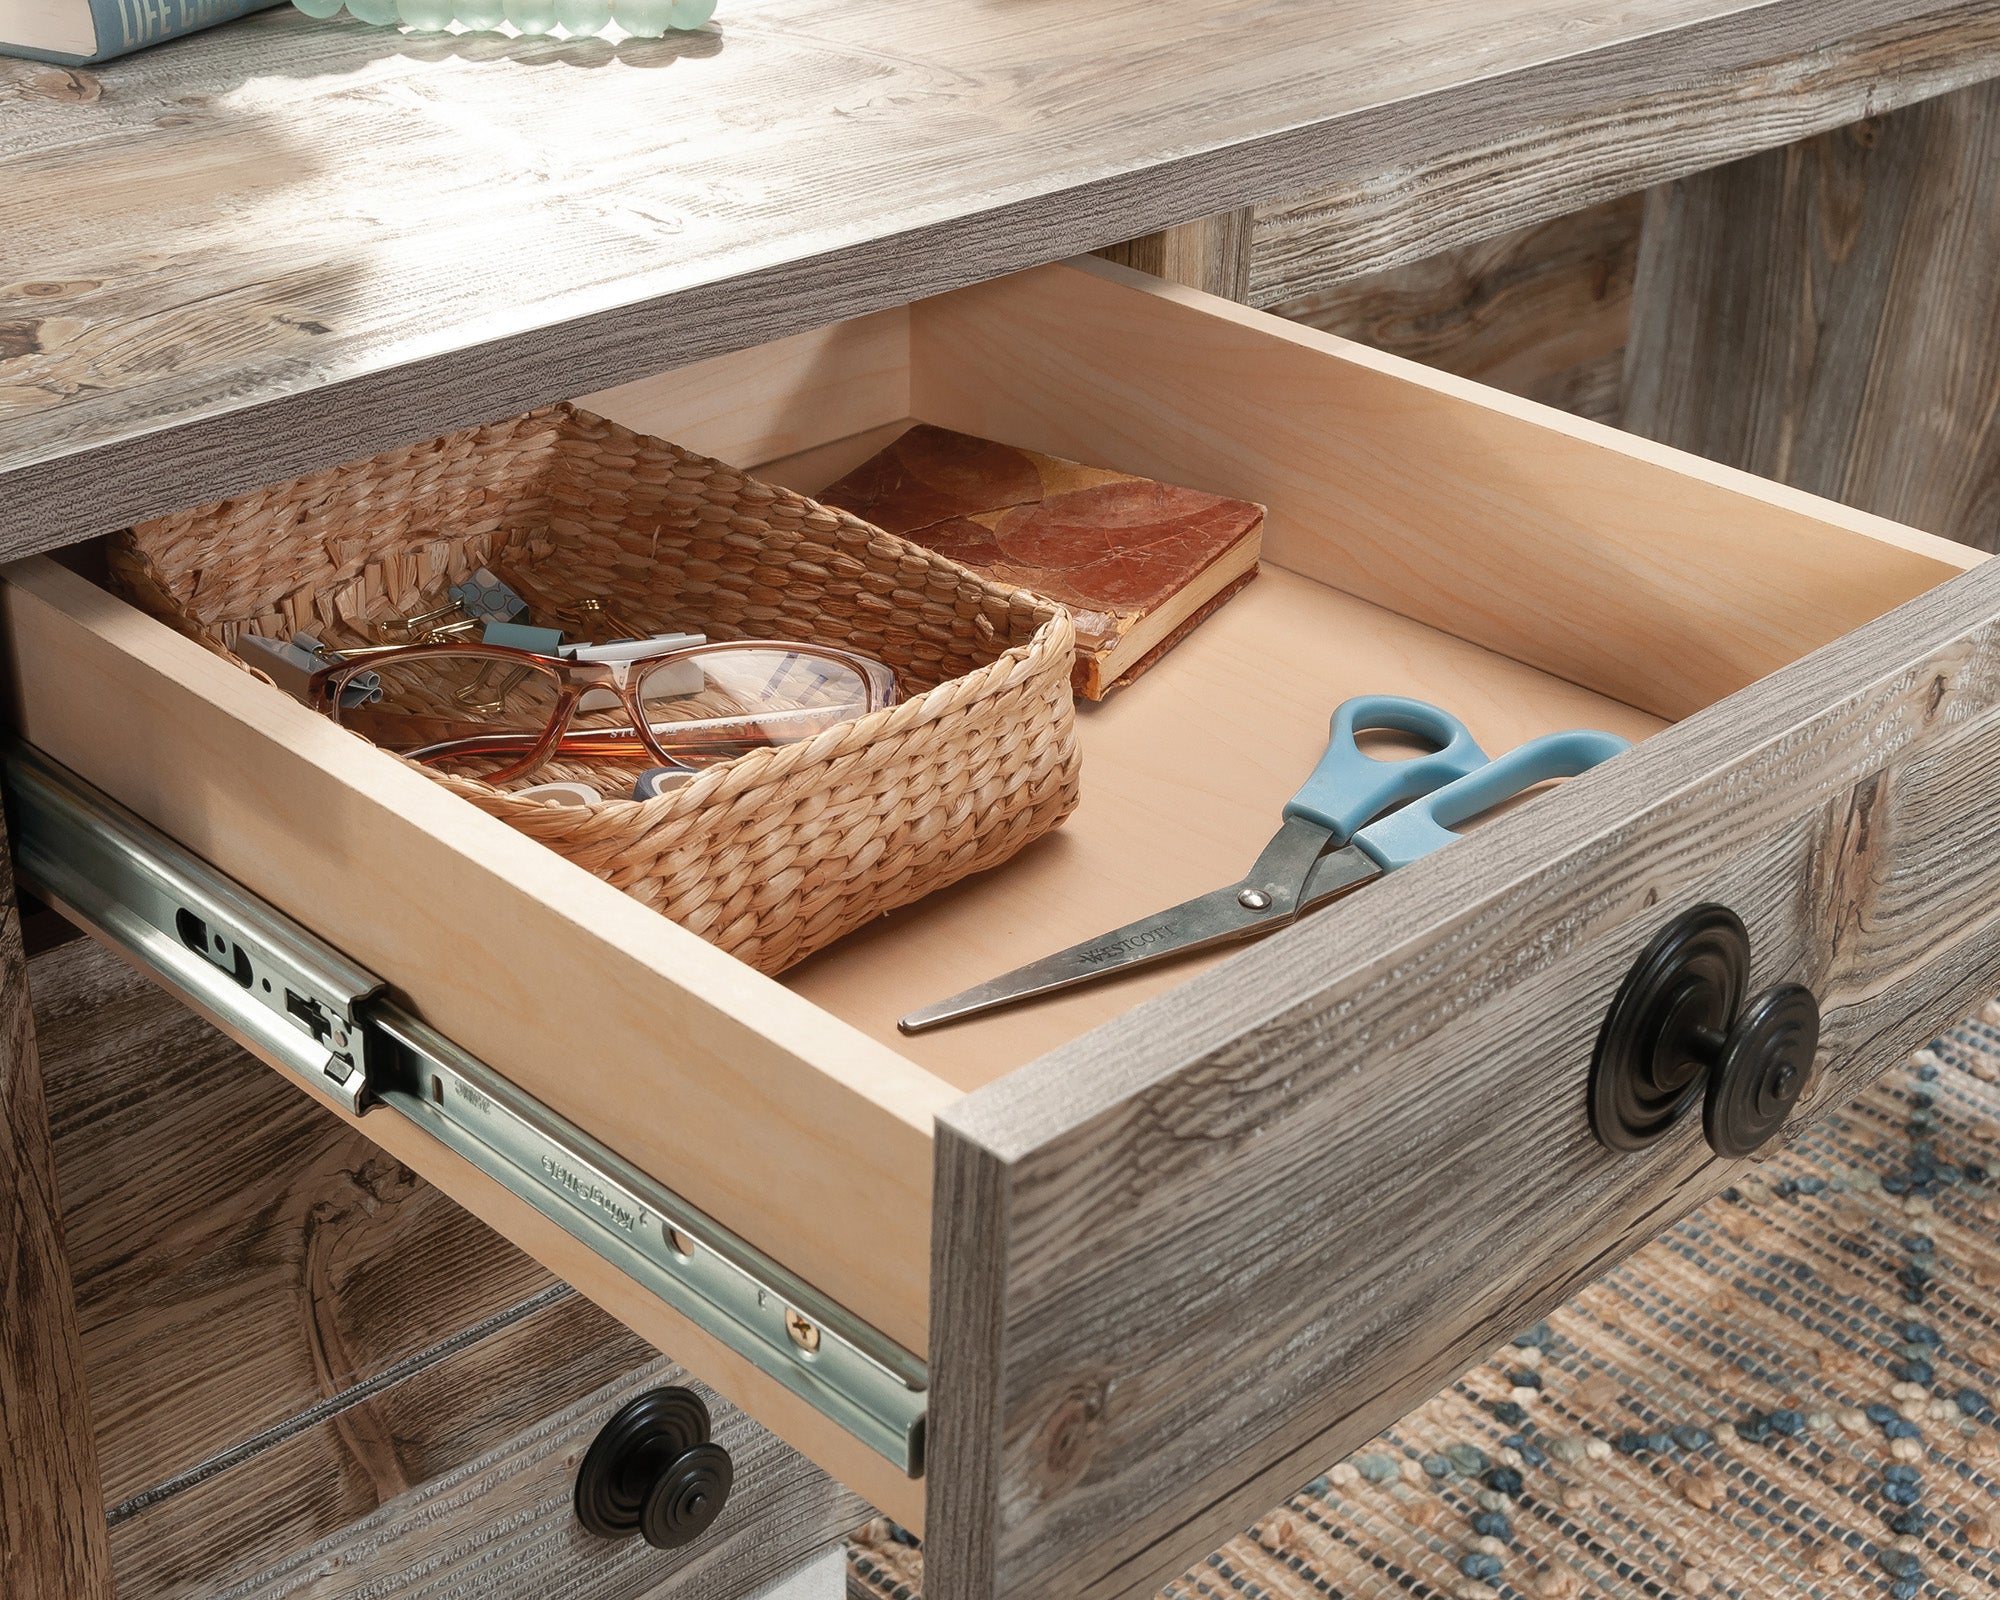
(1135,561)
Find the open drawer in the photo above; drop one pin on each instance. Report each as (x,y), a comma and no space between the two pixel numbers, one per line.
(1170,1246)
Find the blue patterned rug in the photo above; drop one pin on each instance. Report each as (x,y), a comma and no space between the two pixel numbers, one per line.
(1788,1395)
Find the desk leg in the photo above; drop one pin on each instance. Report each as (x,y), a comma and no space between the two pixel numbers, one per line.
(1825,315)
(1211,254)
(52,1536)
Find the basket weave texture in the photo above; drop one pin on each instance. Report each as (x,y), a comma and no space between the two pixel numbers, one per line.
(775,853)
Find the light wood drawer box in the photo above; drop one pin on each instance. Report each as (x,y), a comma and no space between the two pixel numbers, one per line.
(1171,1247)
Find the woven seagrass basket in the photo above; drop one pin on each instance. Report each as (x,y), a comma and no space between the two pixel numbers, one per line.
(770,855)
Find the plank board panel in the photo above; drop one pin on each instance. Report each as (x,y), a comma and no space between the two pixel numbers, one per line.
(405,1395)
(259,1506)
(52,1539)
(500,1527)
(208,1192)
(1462,184)
(1825,315)
(1541,311)
(288,243)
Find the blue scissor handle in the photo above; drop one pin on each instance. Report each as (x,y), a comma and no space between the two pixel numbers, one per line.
(1426,824)
(1349,786)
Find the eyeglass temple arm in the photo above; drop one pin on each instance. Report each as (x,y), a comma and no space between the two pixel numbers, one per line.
(600,742)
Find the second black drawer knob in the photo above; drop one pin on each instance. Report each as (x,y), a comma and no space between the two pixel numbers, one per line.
(652,1470)
(1679,1031)
(1760,1068)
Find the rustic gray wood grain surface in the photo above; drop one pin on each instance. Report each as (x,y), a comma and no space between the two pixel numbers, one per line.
(52,1539)
(400,1398)
(224,1196)
(1228,1237)
(261,1502)
(1541,311)
(499,1526)
(1826,315)
(1457,186)
(287,243)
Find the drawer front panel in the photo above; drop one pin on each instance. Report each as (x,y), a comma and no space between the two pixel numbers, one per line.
(1198,1255)
(416,1426)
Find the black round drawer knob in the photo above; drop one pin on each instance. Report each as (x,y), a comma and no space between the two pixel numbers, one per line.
(652,1471)
(1761,1069)
(1679,1031)
(687,1497)
(1655,1048)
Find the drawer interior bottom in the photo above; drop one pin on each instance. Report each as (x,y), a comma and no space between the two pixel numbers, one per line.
(1185,773)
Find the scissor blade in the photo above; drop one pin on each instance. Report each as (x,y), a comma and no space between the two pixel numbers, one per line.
(1211,919)
(1337,874)
(1267,897)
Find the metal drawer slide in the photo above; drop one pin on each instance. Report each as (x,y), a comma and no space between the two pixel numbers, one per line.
(303,1006)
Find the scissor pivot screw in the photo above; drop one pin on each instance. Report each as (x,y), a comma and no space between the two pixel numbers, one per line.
(1253,900)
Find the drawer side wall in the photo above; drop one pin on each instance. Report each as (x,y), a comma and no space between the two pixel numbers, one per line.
(778,399)
(807,1140)
(1650,576)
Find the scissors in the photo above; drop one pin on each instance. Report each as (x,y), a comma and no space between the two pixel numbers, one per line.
(1335,838)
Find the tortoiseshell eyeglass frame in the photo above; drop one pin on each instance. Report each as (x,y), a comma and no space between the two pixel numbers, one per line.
(691,743)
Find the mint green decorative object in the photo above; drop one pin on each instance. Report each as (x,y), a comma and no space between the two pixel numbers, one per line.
(582,18)
(579,19)
(646,18)
(532,16)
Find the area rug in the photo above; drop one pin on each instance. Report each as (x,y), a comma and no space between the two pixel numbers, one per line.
(1788,1395)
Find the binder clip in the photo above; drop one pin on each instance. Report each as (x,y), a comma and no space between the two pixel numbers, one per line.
(485,599)
(290,666)
(656,781)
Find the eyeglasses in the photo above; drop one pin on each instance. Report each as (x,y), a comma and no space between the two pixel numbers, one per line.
(506,712)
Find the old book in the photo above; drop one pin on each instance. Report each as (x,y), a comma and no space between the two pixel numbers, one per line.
(1137,562)
(74,32)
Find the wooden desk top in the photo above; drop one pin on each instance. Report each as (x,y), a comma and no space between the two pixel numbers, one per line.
(286,243)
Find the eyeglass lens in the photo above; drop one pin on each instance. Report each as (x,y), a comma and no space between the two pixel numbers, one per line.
(456,705)
(751,693)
